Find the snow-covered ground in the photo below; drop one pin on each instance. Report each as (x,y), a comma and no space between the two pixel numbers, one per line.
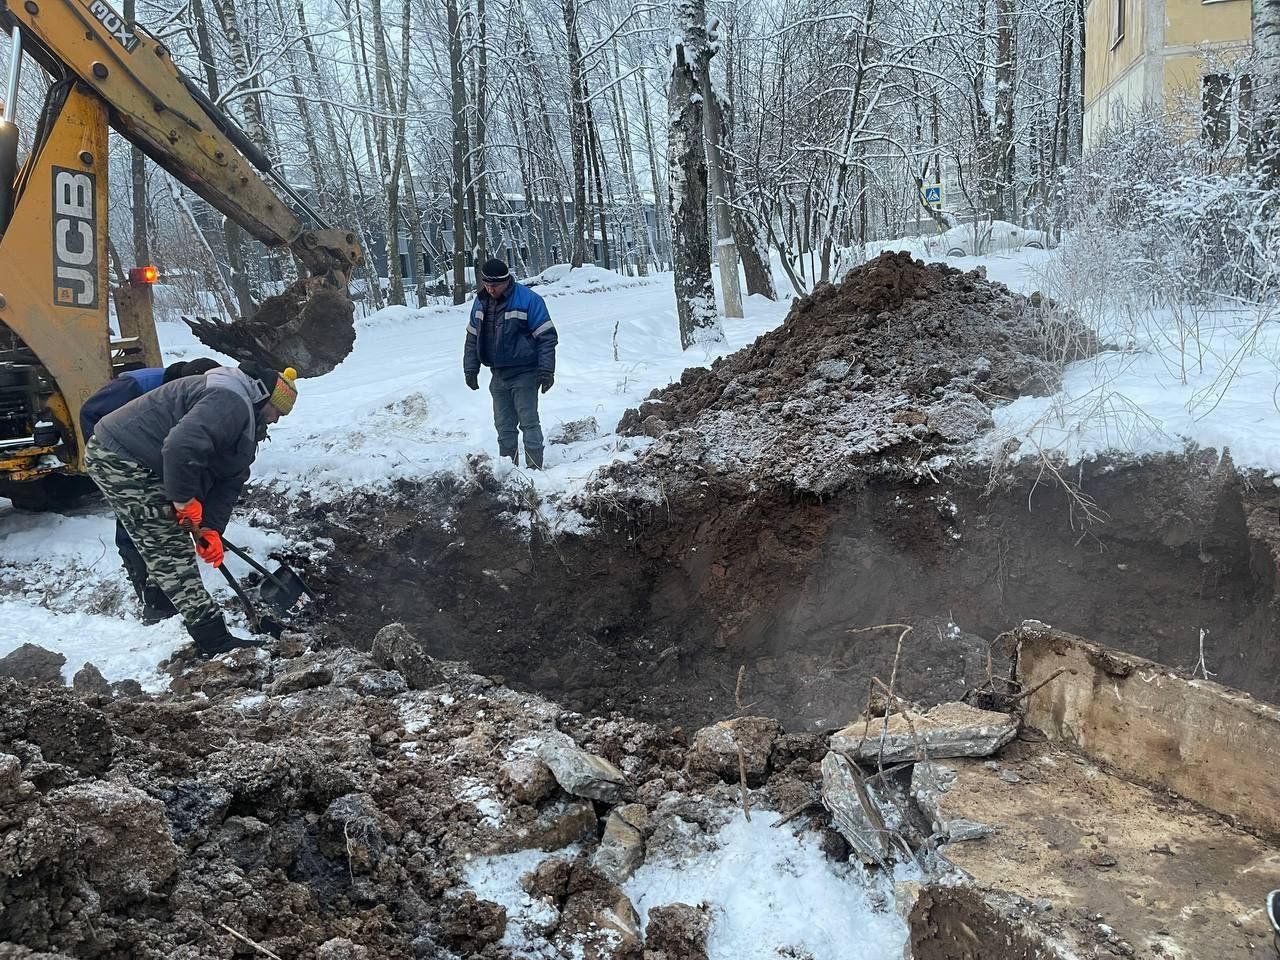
(772,894)
(398,408)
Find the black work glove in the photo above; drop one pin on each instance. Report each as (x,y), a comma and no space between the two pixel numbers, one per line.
(546,378)
(473,380)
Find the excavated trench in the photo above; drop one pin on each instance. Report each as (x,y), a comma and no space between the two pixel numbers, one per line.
(655,614)
(803,495)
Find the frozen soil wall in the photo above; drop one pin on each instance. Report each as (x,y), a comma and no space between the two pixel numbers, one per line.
(657,612)
(819,482)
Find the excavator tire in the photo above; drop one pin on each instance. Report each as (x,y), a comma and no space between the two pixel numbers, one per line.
(57,491)
(310,326)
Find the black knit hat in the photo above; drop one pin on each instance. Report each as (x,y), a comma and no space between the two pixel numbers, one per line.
(494,271)
(189,368)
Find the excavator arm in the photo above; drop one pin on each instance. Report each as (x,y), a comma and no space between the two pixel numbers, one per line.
(154,105)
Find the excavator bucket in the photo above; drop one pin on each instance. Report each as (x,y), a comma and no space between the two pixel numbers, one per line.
(310,327)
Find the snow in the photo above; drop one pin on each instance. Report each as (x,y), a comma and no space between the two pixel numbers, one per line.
(772,893)
(67,591)
(1155,396)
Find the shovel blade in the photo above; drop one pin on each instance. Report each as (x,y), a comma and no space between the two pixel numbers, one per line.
(282,590)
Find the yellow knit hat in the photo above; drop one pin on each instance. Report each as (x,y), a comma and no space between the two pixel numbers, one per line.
(285,394)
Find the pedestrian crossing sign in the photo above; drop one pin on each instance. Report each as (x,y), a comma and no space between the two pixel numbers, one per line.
(933,195)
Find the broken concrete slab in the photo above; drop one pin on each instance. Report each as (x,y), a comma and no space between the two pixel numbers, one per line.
(929,784)
(579,773)
(1159,872)
(853,810)
(947,730)
(716,748)
(1207,742)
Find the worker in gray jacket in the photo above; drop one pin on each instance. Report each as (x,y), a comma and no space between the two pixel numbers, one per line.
(172,464)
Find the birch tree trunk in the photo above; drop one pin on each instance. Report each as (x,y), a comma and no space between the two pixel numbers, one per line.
(458,108)
(1003,140)
(595,154)
(639,226)
(687,181)
(482,121)
(397,107)
(752,247)
(1266,57)
(661,211)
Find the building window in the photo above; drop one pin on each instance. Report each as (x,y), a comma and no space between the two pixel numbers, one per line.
(1120,12)
(1226,106)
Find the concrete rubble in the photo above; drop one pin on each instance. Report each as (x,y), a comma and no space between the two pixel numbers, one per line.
(579,773)
(853,811)
(947,730)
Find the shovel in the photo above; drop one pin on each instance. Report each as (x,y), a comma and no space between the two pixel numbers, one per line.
(257,622)
(280,589)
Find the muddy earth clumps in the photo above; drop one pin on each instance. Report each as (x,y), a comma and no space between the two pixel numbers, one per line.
(326,805)
(899,362)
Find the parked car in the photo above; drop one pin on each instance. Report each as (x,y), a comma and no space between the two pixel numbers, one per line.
(998,236)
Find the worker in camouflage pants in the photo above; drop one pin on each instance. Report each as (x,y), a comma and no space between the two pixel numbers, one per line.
(172,463)
(137,496)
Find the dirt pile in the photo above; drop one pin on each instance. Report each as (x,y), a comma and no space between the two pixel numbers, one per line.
(327,804)
(899,362)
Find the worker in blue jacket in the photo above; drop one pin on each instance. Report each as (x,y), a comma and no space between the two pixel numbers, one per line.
(510,332)
(128,386)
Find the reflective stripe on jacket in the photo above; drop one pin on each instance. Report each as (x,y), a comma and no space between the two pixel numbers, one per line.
(526,338)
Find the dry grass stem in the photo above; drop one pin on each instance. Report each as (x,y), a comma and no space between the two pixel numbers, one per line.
(242,938)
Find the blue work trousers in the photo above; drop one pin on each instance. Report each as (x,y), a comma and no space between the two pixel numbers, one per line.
(515,404)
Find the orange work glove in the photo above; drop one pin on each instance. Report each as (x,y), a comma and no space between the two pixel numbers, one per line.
(209,547)
(190,514)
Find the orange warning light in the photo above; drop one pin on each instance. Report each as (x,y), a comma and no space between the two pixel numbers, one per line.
(141,275)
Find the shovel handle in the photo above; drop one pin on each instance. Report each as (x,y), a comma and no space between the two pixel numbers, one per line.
(245,602)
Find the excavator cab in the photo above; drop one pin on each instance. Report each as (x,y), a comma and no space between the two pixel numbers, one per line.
(64,330)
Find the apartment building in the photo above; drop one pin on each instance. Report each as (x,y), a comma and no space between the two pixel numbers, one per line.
(1143,55)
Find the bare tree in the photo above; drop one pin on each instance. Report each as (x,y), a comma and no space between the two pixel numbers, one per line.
(713,123)
(687,180)
(1266,57)
(458,104)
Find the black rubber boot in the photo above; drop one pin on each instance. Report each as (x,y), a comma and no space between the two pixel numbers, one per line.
(156,606)
(212,638)
(533,458)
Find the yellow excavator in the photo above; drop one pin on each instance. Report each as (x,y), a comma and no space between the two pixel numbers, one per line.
(57,345)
